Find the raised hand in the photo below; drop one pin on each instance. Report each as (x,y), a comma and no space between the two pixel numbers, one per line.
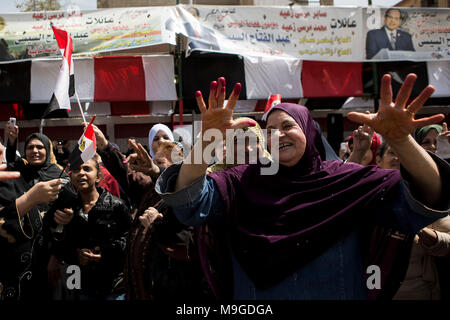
(443,142)
(100,138)
(216,115)
(13,132)
(141,160)
(445,134)
(362,140)
(395,119)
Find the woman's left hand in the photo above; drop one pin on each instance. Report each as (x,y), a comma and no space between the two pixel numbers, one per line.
(395,119)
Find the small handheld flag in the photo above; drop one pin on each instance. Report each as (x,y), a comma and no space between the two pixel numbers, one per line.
(85,148)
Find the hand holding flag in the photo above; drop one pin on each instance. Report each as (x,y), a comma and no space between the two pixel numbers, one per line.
(85,148)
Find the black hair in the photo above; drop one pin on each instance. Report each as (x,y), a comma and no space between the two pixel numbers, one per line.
(97,166)
(403,15)
(382,149)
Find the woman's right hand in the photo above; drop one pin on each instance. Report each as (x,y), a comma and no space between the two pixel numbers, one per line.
(100,139)
(45,192)
(216,115)
(13,132)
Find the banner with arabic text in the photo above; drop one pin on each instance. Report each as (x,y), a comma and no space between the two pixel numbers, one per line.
(29,35)
(317,33)
(306,33)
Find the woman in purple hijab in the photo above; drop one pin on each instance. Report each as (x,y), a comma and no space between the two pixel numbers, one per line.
(297,234)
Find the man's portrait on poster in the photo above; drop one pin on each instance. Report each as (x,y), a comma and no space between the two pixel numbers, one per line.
(390,36)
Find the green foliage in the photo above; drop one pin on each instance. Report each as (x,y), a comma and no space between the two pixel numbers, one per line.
(39,5)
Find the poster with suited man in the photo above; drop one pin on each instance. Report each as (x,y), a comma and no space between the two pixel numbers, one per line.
(390,36)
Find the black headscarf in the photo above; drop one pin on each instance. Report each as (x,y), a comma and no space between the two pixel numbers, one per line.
(280,222)
(30,174)
(45,172)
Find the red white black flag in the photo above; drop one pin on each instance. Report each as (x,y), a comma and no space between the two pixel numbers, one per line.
(65,84)
(85,148)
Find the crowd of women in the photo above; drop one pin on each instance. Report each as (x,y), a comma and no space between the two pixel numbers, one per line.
(157,225)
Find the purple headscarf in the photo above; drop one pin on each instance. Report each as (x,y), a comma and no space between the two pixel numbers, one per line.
(280,222)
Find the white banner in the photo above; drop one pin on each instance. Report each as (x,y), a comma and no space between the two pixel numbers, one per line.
(29,35)
(305,33)
(316,33)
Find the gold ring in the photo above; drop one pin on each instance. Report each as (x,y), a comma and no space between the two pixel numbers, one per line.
(409,111)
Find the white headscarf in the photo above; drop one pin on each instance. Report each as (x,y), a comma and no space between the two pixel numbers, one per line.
(152,133)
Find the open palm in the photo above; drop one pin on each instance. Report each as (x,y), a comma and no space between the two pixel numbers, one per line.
(395,119)
(216,115)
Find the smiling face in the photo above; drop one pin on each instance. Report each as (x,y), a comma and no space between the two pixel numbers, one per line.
(35,152)
(86,177)
(292,140)
(393,19)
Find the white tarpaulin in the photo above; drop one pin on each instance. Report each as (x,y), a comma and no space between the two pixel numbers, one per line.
(265,76)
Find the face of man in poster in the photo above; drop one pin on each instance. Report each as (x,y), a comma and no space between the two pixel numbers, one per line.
(393,19)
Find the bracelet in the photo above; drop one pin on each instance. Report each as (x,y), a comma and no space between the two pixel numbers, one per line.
(20,224)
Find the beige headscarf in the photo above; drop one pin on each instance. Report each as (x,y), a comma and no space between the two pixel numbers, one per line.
(261,141)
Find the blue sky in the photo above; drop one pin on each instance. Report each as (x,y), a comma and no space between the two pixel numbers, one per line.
(10,5)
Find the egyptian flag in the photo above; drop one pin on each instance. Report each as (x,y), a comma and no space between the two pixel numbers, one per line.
(65,84)
(273,100)
(85,148)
